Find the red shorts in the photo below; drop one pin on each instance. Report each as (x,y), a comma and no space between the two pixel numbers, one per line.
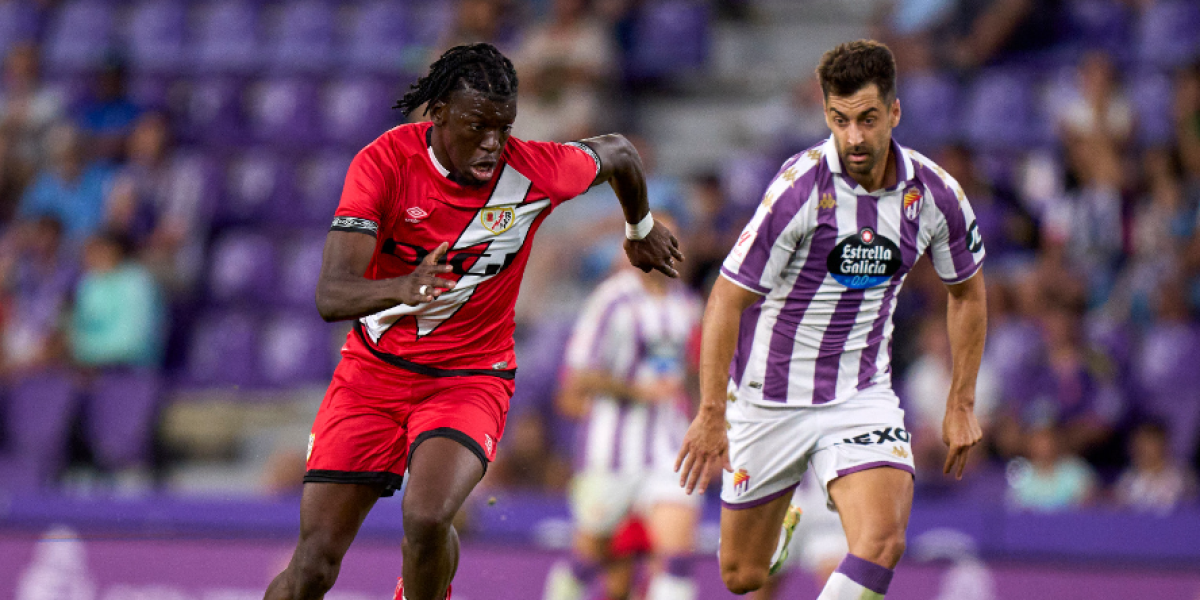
(375,415)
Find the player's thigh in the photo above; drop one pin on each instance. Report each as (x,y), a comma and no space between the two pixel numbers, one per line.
(749,534)
(671,512)
(331,514)
(874,504)
(673,527)
(453,431)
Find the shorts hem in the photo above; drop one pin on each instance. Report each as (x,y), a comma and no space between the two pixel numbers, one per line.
(876,465)
(456,435)
(388,481)
(760,501)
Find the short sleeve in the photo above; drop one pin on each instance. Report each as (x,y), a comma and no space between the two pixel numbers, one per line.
(562,171)
(956,246)
(365,193)
(597,340)
(764,248)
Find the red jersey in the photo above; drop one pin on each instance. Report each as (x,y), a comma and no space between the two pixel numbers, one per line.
(396,191)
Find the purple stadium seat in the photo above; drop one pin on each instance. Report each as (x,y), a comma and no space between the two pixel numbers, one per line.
(299,269)
(1169,33)
(156,34)
(1152,96)
(209,111)
(377,37)
(242,268)
(929,103)
(18,23)
(283,111)
(80,36)
(40,411)
(295,348)
(226,37)
(669,36)
(356,111)
(1102,25)
(999,110)
(120,418)
(256,181)
(223,350)
(319,182)
(302,36)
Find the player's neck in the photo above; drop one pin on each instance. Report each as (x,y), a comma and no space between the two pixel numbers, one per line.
(883,175)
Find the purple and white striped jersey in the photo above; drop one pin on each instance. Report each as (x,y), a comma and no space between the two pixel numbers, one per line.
(829,259)
(635,336)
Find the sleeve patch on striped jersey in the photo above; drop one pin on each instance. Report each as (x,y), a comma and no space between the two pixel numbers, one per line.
(355,224)
(590,152)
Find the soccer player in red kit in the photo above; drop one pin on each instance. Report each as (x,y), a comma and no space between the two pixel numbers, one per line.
(426,253)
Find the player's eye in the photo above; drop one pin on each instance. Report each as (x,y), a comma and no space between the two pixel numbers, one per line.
(869,121)
(476,127)
(507,129)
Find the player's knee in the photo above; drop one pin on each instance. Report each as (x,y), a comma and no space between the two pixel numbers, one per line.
(315,570)
(425,526)
(884,548)
(742,578)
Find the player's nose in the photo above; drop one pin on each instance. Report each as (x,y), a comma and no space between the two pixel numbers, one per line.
(490,142)
(854,135)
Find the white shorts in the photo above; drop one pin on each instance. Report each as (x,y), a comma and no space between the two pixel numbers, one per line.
(601,499)
(771,447)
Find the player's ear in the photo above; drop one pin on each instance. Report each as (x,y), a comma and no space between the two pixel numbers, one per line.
(437,112)
(894,112)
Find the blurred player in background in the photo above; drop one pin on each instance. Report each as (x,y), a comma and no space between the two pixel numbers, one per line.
(795,357)
(816,543)
(628,373)
(426,254)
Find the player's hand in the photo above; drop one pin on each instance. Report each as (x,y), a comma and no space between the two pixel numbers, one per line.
(423,284)
(705,447)
(960,431)
(661,389)
(659,250)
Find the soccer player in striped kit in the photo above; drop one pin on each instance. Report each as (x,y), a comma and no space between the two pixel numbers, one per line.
(794,364)
(626,370)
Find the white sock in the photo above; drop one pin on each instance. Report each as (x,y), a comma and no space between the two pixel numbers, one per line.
(665,586)
(857,579)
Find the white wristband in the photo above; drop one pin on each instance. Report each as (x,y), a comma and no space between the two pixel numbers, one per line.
(641,230)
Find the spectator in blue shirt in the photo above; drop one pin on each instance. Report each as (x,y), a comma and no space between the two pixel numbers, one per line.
(71,189)
(108,116)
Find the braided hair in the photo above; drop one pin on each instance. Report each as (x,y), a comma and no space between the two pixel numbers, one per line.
(478,67)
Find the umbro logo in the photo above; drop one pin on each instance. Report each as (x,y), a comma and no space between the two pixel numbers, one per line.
(416,214)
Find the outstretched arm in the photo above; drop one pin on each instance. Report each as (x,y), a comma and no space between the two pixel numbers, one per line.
(649,245)
(706,442)
(966,317)
(343,292)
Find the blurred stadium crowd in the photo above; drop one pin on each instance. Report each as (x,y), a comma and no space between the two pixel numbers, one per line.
(168,170)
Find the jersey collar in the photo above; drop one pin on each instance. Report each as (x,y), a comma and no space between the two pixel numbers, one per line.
(432,157)
(903,176)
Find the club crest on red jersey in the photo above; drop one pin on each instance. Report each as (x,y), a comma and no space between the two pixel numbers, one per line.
(497,220)
(912,203)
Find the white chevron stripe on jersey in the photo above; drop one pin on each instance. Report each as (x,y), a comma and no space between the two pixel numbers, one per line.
(499,246)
